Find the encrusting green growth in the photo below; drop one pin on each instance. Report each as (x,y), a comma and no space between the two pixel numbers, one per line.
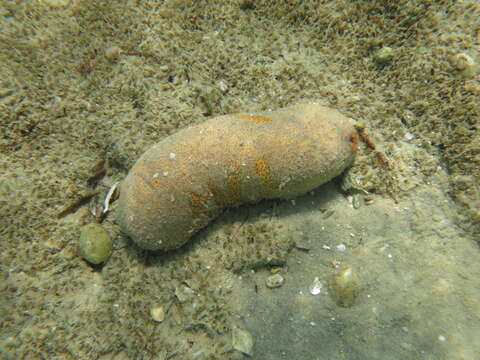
(180,184)
(95,244)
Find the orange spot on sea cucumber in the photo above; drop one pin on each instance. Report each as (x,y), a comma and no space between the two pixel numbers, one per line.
(253,117)
(198,202)
(263,171)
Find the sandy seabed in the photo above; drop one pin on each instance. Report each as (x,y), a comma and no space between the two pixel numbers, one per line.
(86,87)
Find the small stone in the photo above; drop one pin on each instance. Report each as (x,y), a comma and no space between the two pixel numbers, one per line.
(157,313)
(113,52)
(242,341)
(315,287)
(303,243)
(95,244)
(357,201)
(384,55)
(409,136)
(274,281)
(223,86)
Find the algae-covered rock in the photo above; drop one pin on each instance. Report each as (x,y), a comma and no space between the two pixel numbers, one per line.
(95,243)
(344,287)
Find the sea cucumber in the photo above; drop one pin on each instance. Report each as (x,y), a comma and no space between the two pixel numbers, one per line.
(183,182)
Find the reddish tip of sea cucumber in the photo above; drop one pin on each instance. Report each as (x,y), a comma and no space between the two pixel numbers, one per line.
(353,139)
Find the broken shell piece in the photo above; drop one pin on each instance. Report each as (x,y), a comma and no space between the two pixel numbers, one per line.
(157,313)
(183,293)
(369,199)
(242,341)
(96,208)
(274,281)
(111,196)
(341,247)
(463,61)
(113,52)
(315,287)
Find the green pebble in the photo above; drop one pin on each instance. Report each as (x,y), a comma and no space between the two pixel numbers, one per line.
(344,287)
(95,244)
